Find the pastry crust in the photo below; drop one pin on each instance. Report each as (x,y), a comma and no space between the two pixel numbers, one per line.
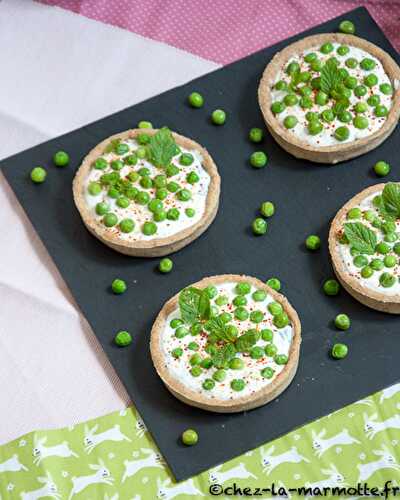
(156,247)
(368,297)
(339,152)
(260,397)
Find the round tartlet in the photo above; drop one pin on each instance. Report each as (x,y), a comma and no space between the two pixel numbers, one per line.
(222,398)
(135,244)
(367,290)
(300,147)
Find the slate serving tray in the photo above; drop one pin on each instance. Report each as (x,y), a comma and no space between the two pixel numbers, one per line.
(306,196)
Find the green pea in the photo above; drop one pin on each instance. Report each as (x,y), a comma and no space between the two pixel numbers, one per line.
(211,291)
(117,165)
(370,80)
(225,317)
(339,351)
(196,371)
(351,63)
(354,213)
(171,170)
(271,350)
(256,316)
(186,159)
(382,248)
(218,117)
(326,48)
(193,346)
(100,163)
(195,359)
(386,88)
(313,242)
(267,334)
(328,115)
(267,209)
(196,328)
(259,296)
(311,116)
(161,193)
(315,127)
(331,287)
(123,339)
(258,159)
(94,188)
(113,192)
(221,300)
(146,182)
(281,85)
(141,152)
(133,176)
(342,50)
(361,107)
(243,288)
(196,100)
(390,261)
(281,320)
(367,64)
(61,159)
(345,117)
(257,352)
(267,372)
(160,181)
(155,205)
(367,272)
(165,265)
(110,220)
(190,212)
(342,133)
(145,124)
(290,100)
(206,363)
(360,122)
(208,384)
(160,216)
(259,226)
(239,301)
(238,384)
(391,237)
(184,195)
(376,264)
(149,228)
(306,102)
(281,359)
(374,100)
(189,437)
(347,27)
(256,134)
(389,227)
(292,68)
(172,187)
(381,111)
(275,308)
(118,286)
(306,91)
(310,57)
(126,225)
(123,202)
(387,280)
(173,214)
(177,352)
(360,90)
(396,248)
(236,364)
(192,178)
(174,323)
(290,121)
(274,283)
(241,314)
(219,375)
(342,322)
(143,139)
(317,65)
(277,107)
(321,98)
(142,198)
(360,261)
(350,82)
(102,208)
(181,332)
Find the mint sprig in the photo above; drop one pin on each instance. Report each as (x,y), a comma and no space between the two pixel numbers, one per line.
(219,330)
(194,305)
(331,77)
(162,148)
(360,237)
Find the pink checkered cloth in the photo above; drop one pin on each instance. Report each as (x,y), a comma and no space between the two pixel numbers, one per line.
(226,30)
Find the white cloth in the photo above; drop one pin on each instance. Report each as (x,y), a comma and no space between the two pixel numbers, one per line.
(60,71)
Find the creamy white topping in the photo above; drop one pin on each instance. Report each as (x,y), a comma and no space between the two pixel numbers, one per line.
(251,373)
(140,213)
(371,283)
(326,137)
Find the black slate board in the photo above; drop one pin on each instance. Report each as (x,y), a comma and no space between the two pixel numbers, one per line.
(307,196)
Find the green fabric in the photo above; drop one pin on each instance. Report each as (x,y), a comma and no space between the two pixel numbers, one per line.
(114,457)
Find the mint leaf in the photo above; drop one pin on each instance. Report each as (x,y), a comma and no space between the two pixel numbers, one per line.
(247,340)
(360,237)
(330,77)
(391,199)
(224,354)
(194,305)
(162,148)
(218,329)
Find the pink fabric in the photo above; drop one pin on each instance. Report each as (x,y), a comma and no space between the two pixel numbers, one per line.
(226,30)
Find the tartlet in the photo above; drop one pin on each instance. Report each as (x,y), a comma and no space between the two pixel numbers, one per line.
(301,143)
(370,271)
(226,364)
(179,198)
